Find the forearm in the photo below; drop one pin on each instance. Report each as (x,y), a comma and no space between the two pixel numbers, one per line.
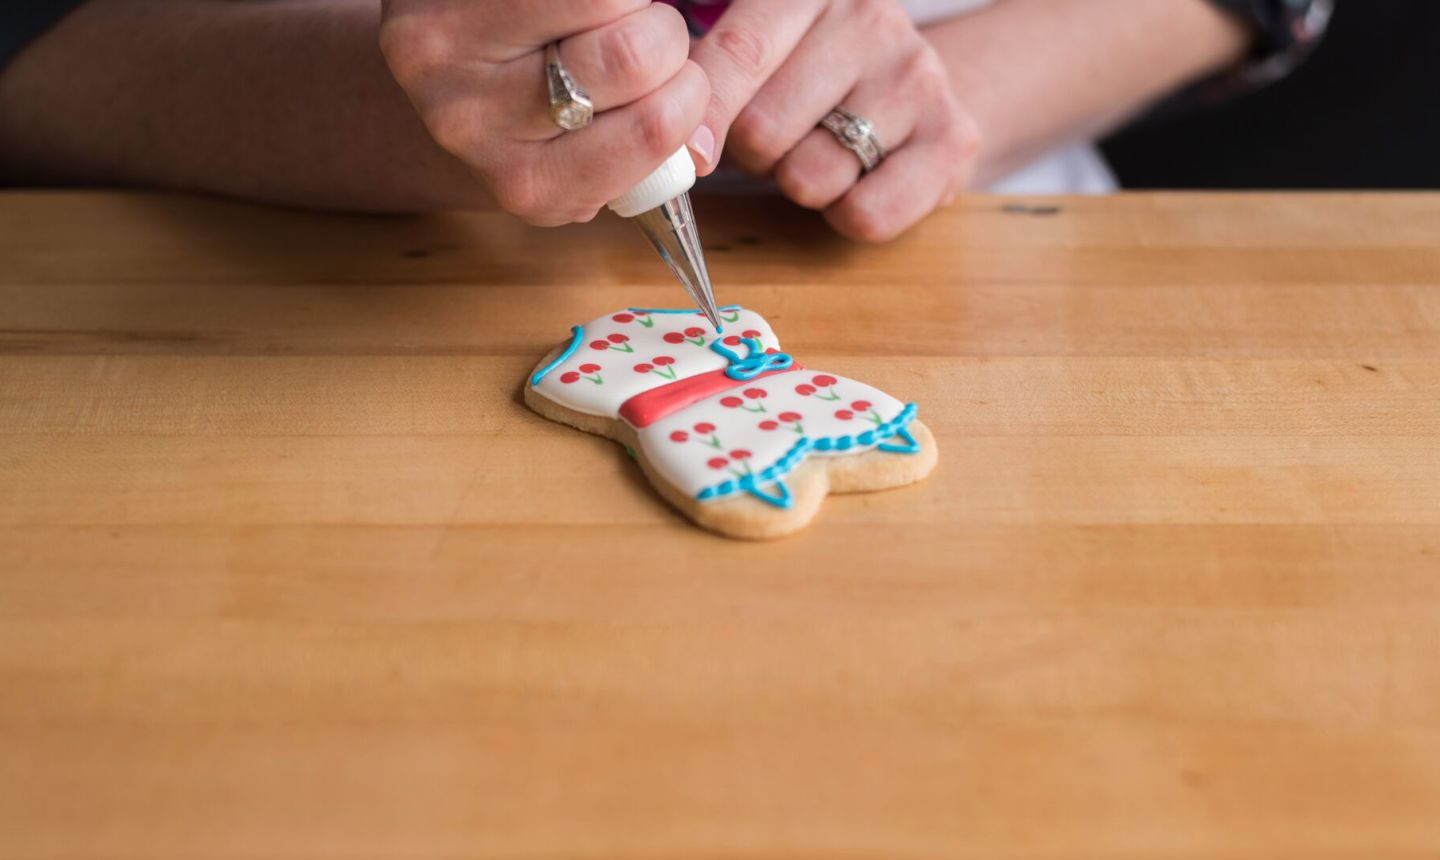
(1039,73)
(287,102)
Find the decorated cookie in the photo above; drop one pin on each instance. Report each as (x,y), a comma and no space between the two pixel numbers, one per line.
(730,429)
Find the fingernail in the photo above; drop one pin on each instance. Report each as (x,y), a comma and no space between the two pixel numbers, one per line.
(702,143)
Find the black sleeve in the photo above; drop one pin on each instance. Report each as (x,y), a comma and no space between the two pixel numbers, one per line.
(21,21)
(1359,113)
(1285,32)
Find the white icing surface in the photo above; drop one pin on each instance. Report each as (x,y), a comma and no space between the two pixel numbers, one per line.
(745,429)
(619,381)
(738,428)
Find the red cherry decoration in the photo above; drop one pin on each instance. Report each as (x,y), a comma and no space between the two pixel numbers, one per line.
(844,414)
(750,332)
(804,389)
(679,436)
(704,427)
(642,367)
(717,462)
(599,344)
(730,402)
(663,360)
(617,337)
(789,416)
(569,376)
(732,340)
(754,393)
(860,405)
(674,337)
(623,318)
(824,380)
(692,331)
(740,454)
(589,368)
(768,425)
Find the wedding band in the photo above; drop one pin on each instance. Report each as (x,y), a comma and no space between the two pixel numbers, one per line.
(570,105)
(857,135)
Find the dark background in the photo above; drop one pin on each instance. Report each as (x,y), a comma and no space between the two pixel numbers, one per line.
(1362,112)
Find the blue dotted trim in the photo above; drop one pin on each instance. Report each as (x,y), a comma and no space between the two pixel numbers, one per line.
(577,334)
(793,457)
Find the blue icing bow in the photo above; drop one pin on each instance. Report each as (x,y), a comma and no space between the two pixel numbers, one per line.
(754,364)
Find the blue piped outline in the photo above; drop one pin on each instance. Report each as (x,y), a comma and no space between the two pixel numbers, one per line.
(677,310)
(781,501)
(896,426)
(756,362)
(912,447)
(577,334)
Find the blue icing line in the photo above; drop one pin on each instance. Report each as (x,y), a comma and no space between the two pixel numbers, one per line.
(781,501)
(577,334)
(677,310)
(894,427)
(753,364)
(903,433)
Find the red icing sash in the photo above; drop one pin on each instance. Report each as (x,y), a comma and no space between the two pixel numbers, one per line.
(647,407)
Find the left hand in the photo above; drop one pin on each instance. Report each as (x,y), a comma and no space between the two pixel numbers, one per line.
(777,67)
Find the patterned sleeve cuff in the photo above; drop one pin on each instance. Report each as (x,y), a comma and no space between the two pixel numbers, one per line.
(1286,32)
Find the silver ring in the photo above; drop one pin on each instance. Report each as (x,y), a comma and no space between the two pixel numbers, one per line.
(856,134)
(570,105)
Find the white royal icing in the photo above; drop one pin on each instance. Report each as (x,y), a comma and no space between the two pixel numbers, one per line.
(648,345)
(744,438)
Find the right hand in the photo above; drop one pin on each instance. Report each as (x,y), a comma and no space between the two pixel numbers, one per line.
(475,71)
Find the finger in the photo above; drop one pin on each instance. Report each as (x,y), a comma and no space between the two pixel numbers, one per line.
(792,102)
(907,186)
(457,28)
(621,147)
(820,169)
(747,45)
(616,64)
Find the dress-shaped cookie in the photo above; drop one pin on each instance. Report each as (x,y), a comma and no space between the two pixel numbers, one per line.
(733,431)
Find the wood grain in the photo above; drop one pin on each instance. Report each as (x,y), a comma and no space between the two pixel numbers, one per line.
(287,570)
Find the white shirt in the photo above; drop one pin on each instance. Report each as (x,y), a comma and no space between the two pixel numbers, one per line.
(1074,169)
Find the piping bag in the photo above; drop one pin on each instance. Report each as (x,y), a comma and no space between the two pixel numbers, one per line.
(660,207)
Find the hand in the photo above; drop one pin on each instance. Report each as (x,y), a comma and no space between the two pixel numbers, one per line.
(777,68)
(474,69)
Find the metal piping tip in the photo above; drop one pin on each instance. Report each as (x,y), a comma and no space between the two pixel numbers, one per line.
(670,227)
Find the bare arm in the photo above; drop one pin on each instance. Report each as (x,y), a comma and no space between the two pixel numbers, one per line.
(1038,73)
(286,102)
(291,102)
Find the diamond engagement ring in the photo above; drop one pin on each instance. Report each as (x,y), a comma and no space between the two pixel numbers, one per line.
(857,135)
(570,106)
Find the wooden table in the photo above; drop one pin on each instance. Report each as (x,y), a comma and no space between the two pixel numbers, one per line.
(288,571)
